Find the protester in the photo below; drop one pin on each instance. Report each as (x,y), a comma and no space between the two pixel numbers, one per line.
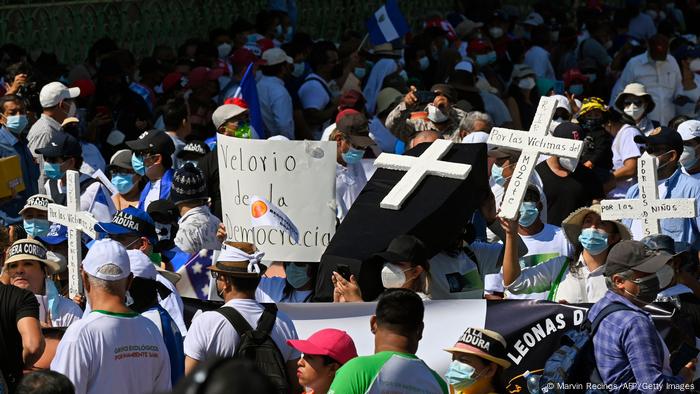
(475,127)
(352,140)
(224,375)
(478,360)
(597,152)
(297,285)
(192,152)
(397,327)
(125,180)
(522,97)
(636,104)
(177,125)
(275,101)
(152,157)
(690,159)
(58,104)
(45,382)
(316,92)
(94,353)
(625,153)
(35,215)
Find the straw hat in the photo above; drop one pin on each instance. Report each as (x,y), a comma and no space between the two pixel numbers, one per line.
(634,89)
(483,343)
(572,224)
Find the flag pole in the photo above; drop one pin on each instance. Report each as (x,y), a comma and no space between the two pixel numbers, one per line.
(364,40)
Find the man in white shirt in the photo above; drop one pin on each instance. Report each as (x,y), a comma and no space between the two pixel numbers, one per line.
(237,272)
(315,93)
(152,157)
(275,101)
(660,75)
(537,57)
(113,349)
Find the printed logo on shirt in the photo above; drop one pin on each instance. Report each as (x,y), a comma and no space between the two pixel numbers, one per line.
(136,351)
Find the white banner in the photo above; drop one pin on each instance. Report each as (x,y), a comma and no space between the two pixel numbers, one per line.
(445,321)
(298,177)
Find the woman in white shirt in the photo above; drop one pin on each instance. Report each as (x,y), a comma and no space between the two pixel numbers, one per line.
(579,280)
(636,104)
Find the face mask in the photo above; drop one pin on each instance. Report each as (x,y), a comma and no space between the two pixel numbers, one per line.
(296,276)
(635,112)
(353,156)
(393,276)
(665,275)
(16,123)
(359,72)
(224,49)
(436,115)
(53,170)
(591,124)
(528,213)
(648,289)
(243,130)
(576,89)
(662,163)
(138,165)
(496,32)
(37,227)
(460,375)
(278,30)
(694,65)
(123,182)
(568,164)
(298,70)
(497,175)
(594,241)
(423,63)
(403,75)
(689,157)
(526,83)
(492,57)
(252,38)
(482,60)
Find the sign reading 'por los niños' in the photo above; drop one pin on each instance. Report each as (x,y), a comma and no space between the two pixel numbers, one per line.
(296,176)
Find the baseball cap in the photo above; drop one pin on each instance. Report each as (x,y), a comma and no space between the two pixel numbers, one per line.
(55,92)
(534,19)
(130,220)
(140,265)
(104,252)
(405,248)
(661,136)
(275,56)
(330,342)
(194,148)
(689,129)
(156,141)
(501,152)
(388,98)
(30,249)
(351,99)
(660,242)
(568,130)
(354,126)
(61,145)
(634,255)
(37,201)
(444,89)
(57,234)
(226,112)
(482,343)
(121,159)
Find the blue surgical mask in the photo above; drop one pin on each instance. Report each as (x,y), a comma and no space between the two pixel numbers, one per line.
(138,165)
(528,213)
(594,241)
(360,72)
(423,63)
(16,123)
(296,276)
(36,227)
(460,375)
(404,75)
(53,170)
(353,156)
(123,182)
(497,175)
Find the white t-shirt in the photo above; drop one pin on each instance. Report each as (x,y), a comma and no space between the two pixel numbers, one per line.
(212,335)
(454,277)
(623,148)
(68,312)
(272,290)
(114,353)
(312,95)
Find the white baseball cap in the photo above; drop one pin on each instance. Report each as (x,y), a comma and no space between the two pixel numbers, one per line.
(274,56)
(226,112)
(104,252)
(55,92)
(689,129)
(141,265)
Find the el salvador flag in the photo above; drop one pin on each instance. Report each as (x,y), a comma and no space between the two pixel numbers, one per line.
(249,93)
(387,24)
(195,276)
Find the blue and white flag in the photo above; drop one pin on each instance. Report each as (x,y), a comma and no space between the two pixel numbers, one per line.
(102,207)
(248,91)
(195,276)
(387,24)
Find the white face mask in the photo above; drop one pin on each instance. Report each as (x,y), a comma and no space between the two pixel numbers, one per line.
(393,276)
(694,65)
(496,32)
(424,63)
(526,83)
(689,157)
(635,112)
(435,114)
(224,49)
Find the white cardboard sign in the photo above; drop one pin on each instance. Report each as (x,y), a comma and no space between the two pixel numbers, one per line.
(532,143)
(298,177)
(77,223)
(648,208)
(417,168)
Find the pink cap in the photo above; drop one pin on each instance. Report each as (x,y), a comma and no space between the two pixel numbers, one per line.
(330,342)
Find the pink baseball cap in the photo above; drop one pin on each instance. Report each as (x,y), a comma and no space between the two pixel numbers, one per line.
(330,342)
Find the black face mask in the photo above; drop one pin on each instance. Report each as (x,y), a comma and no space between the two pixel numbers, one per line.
(591,124)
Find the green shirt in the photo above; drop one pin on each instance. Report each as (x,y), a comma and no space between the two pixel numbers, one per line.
(387,372)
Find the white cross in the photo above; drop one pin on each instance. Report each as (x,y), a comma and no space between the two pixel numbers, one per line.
(532,143)
(648,208)
(417,168)
(77,222)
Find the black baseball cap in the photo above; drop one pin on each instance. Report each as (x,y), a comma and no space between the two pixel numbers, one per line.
(61,145)
(662,136)
(193,149)
(405,248)
(163,211)
(634,255)
(155,141)
(568,130)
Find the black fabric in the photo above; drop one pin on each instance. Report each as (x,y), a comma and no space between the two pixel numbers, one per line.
(15,304)
(598,149)
(60,198)
(565,195)
(209,164)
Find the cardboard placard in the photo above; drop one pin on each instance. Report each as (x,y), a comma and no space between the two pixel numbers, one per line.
(11,180)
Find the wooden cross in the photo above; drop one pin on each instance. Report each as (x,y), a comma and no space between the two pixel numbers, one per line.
(648,208)
(417,168)
(77,223)
(532,143)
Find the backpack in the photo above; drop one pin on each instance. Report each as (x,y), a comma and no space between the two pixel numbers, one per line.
(257,344)
(573,364)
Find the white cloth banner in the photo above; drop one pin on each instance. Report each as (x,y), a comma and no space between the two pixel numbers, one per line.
(298,177)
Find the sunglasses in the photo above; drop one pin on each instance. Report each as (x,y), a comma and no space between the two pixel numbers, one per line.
(637,102)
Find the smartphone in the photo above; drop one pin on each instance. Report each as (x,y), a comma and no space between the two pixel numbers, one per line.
(343,270)
(684,354)
(425,96)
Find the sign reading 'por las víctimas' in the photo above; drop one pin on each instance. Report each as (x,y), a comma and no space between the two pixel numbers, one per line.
(298,177)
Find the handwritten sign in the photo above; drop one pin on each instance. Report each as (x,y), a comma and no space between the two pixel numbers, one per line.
(417,168)
(77,223)
(648,208)
(532,143)
(298,177)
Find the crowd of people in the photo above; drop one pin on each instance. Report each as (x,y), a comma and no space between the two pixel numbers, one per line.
(141,131)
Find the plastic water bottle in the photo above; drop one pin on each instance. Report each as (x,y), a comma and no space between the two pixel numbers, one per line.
(533,382)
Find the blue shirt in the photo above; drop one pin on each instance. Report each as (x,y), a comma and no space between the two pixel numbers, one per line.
(686,232)
(11,146)
(627,347)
